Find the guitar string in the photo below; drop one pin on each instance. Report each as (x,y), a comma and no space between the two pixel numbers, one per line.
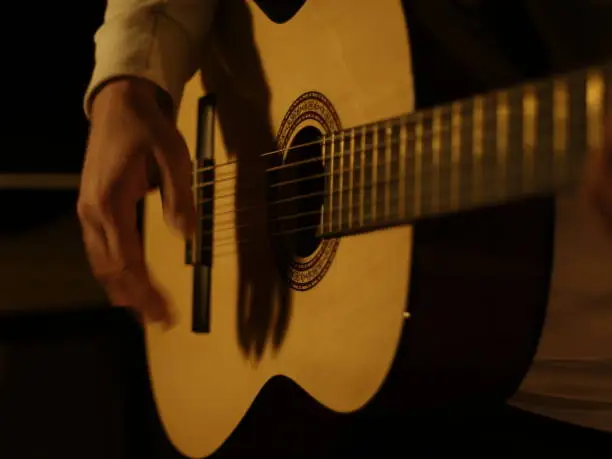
(369,148)
(382,128)
(410,120)
(340,193)
(357,154)
(380,147)
(426,134)
(325,138)
(441,166)
(421,115)
(426,192)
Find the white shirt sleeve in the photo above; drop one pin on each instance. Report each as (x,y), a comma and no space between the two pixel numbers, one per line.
(159,40)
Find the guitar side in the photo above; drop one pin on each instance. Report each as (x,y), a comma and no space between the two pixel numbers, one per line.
(336,331)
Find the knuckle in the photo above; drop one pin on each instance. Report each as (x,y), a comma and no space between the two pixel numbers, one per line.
(93,206)
(110,274)
(174,157)
(84,209)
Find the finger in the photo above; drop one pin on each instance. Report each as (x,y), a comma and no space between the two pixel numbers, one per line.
(125,248)
(175,171)
(113,247)
(96,248)
(128,284)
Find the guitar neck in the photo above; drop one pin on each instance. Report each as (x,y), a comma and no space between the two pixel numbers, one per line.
(486,150)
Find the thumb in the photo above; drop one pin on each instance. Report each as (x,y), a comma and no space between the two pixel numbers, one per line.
(175,173)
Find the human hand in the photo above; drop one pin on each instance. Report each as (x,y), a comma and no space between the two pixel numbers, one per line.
(129,134)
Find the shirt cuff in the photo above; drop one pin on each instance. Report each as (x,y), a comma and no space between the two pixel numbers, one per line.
(146,45)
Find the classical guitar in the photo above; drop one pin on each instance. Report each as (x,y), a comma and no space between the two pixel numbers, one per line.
(309,167)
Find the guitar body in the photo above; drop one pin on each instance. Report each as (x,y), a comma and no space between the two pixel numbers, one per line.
(330,314)
(332,327)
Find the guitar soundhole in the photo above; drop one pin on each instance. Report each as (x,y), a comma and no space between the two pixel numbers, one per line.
(297,187)
(300,189)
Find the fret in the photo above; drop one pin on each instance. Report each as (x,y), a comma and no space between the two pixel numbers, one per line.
(514,155)
(410,166)
(560,127)
(502,138)
(362,177)
(341,184)
(577,118)
(467,162)
(339,191)
(388,164)
(401,184)
(425,165)
(487,165)
(418,163)
(332,182)
(446,171)
(381,185)
(347,175)
(530,121)
(477,147)
(436,145)
(326,221)
(455,153)
(484,150)
(369,175)
(351,193)
(374,184)
(397,182)
(595,92)
(543,154)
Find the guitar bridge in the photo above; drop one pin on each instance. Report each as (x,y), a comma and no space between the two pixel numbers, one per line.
(199,249)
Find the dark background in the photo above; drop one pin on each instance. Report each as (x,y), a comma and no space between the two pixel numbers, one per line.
(47,53)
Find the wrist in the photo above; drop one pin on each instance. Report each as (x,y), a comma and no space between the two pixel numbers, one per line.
(137,92)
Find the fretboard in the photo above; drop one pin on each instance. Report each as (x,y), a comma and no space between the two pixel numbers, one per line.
(486,150)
